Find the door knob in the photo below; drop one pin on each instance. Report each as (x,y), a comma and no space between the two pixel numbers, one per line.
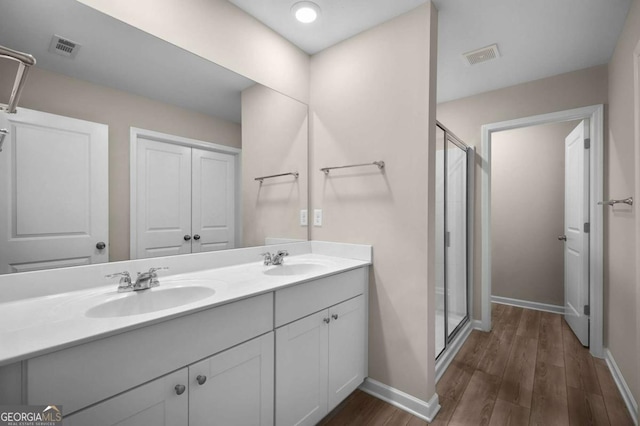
(187,237)
(101,245)
(180,389)
(201,379)
(196,237)
(562,237)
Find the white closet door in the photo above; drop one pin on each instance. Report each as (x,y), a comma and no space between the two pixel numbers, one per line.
(54,201)
(213,198)
(163,199)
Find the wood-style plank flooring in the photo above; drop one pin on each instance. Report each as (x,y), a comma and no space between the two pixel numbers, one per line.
(530,370)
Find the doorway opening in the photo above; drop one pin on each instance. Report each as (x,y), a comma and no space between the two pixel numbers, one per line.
(594,212)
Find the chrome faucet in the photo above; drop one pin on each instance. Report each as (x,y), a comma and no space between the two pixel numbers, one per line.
(144,280)
(278,258)
(274,259)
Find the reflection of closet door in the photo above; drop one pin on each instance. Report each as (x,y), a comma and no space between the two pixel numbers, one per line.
(163,199)
(213,209)
(54,202)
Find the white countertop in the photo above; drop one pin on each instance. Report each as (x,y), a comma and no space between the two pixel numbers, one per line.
(39,325)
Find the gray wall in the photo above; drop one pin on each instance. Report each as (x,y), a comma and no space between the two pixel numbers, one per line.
(527,213)
(373,98)
(466,116)
(622,270)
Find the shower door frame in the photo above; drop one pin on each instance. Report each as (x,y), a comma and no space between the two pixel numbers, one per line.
(445,354)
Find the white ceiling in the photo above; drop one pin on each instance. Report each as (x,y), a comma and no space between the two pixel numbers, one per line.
(536,38)
(117,55)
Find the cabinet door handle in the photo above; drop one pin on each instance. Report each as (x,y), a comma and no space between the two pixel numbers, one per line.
(327,320)
(187,237)
(201,379)
(180,389)
(101,245)
(196,237)
(334,316)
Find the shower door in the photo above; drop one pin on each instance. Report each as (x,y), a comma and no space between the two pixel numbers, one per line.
(452,305)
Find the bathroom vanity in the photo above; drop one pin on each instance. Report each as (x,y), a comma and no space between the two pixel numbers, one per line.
(252,344)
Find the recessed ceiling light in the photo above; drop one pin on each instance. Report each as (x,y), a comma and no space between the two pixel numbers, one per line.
(305,11)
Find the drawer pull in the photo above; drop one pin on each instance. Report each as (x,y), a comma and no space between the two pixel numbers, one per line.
(334,316)
(201,379)
(180,389)
(327,320)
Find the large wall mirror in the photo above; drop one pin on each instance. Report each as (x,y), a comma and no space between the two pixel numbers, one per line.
(125,146)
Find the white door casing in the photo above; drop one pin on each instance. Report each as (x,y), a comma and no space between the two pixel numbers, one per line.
(576,246)
(595,115)
(54,201)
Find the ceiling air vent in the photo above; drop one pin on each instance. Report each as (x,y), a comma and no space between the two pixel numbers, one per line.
(483,54)
(63,47)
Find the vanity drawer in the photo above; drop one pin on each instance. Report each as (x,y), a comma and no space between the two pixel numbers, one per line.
(304,299)
(91,372)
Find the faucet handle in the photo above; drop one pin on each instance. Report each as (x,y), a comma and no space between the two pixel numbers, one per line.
(267,258)
(283,253)
(125,281)
(124,276)
(154,276)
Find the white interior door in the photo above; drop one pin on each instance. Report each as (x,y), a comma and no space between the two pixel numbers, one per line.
(213,201)
(54,201)
(163,199)
(576,249)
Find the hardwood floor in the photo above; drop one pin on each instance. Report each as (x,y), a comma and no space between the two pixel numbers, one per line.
(530,370)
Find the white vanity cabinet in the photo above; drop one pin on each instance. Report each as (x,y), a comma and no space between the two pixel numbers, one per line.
(283,354)
(234,387)
(159,402)
(91,373)
(321,357)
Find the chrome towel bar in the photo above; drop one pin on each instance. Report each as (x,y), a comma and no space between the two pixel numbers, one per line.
(262,178)
(380,165)
(24,62)
(628,201)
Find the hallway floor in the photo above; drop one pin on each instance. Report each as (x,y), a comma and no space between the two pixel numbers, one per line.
(530,369)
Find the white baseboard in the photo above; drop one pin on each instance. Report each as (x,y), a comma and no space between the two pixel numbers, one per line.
(419,408)
(443,362)
(545,307)
(627,396)
(476,324)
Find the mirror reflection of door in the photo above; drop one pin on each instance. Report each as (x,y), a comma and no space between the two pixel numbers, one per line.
(184,199)
(54,202)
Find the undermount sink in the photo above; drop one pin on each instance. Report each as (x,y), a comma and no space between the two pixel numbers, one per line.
(147,301)
(296,269)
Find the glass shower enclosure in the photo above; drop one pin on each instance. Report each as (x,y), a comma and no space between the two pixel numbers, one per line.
(453,159)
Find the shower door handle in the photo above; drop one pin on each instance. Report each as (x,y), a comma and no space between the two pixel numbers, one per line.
(562,237)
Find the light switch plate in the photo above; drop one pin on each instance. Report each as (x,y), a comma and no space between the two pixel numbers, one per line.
(304,217)
(317,217)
